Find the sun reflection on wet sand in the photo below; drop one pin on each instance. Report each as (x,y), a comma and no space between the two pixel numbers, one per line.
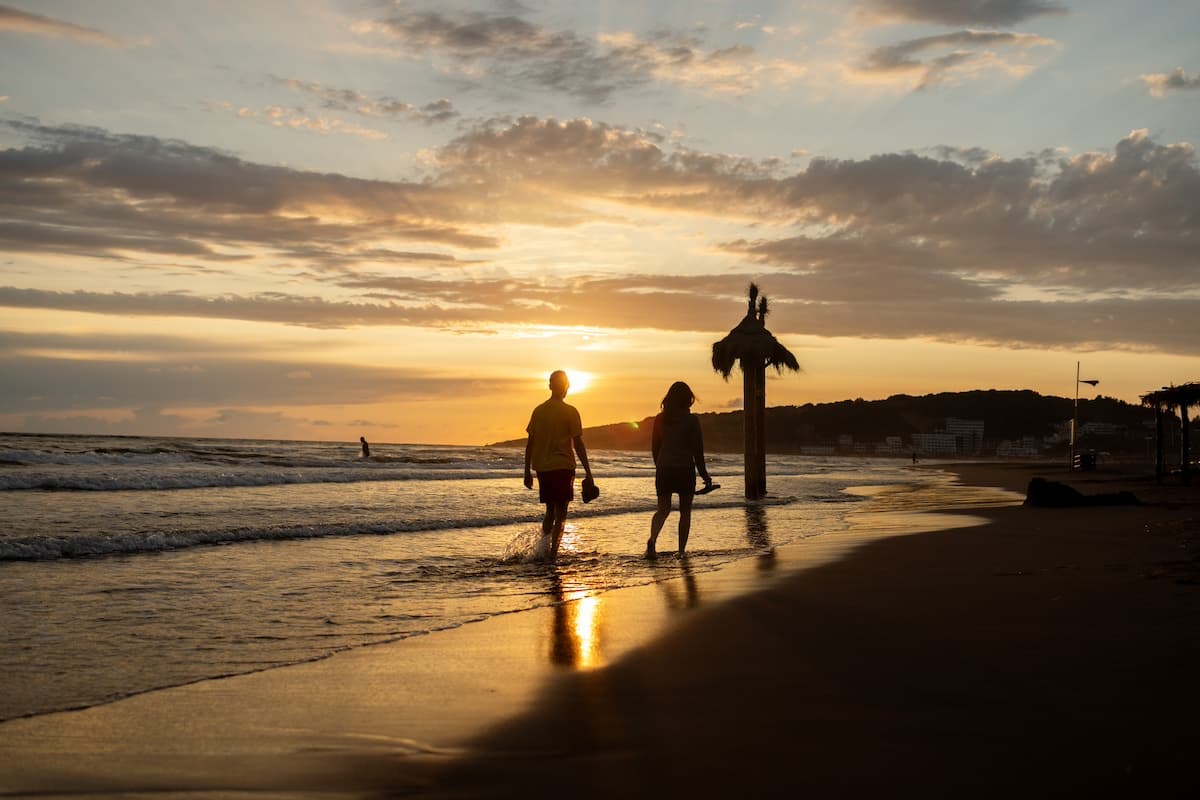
(576,629)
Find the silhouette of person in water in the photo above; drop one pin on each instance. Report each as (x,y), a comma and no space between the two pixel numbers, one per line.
(365,447)
(677,445)
(555,438)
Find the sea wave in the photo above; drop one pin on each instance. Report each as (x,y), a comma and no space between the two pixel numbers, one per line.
(43,548)
(146,480)
(50,547)
(99,479)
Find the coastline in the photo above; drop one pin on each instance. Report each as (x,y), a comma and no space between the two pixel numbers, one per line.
(1046,648)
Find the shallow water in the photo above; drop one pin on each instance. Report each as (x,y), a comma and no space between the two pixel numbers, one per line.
(278,553)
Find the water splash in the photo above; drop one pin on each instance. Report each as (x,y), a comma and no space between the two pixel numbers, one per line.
(527,546)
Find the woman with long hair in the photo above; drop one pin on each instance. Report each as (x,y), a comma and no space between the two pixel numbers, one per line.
(678,449)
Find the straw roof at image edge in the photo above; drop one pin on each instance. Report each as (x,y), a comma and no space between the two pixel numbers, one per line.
(1186,395)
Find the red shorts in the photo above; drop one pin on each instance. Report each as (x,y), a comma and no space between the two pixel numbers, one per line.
(556,486)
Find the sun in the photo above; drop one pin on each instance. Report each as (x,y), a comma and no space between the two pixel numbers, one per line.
(580,380)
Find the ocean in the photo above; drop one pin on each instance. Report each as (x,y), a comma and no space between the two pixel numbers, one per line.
(129,564)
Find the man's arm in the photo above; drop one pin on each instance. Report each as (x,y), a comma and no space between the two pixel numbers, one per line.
(581,451)
(528,460)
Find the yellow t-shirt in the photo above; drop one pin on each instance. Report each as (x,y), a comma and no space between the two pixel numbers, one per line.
(553,427)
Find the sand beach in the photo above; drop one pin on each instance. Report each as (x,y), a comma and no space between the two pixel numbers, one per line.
(1029,651)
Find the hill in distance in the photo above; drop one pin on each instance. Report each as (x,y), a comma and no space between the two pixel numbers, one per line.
(1011,415)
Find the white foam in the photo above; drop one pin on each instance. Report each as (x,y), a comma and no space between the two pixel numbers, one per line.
(527,546)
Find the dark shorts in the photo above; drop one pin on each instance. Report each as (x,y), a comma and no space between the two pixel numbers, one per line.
(556,486)
(675,480)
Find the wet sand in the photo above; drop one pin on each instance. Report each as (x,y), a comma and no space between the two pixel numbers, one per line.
(1049,650)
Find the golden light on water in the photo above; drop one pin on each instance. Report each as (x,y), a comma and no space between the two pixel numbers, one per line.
(586,628)
(575,636)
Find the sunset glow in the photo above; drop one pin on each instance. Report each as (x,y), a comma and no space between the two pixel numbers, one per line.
(580,380)
(331,219)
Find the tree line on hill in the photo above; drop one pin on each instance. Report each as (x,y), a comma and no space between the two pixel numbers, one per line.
(1006,415)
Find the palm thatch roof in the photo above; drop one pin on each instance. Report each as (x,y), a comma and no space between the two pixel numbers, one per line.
(1186,395)
(751,343)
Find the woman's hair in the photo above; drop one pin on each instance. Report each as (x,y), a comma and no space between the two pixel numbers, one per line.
(678,398)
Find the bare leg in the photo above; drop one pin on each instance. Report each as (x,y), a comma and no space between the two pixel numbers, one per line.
(657,521)
(685,520)
(559,513)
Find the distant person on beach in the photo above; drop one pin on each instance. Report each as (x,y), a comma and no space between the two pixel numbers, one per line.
(555,438)
(365,447)
(677,445)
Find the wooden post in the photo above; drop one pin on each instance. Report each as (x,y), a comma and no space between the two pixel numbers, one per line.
(750,426)
(1185,451)
(1159,455)
(760,428)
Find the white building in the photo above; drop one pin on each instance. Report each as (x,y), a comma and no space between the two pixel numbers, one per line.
(1101,429)
(935,444)
(1024,448)
(969,433)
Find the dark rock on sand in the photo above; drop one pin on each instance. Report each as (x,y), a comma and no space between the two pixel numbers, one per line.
(1052,494)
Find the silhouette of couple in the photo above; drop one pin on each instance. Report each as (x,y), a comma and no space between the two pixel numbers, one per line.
(556,438)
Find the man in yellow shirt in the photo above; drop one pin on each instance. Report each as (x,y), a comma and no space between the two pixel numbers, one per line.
(555,438)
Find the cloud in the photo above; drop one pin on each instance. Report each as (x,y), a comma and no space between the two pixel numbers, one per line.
(670,59)
(1176,80)
(950,242)
(12,19)
(892,308)
(508,49)
(952,57)
(581,158)
(1095,222)
(84,191)
(355,102)
(960,12)
(54,384)
(298,118)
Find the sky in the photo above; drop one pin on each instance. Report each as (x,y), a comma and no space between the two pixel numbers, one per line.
(343,218)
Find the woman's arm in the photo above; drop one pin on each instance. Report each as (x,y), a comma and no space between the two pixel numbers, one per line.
(698,450)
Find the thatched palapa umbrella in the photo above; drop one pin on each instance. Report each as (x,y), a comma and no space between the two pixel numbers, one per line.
(751,346)
(1162,401)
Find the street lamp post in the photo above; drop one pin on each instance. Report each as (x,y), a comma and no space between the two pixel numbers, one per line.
(1075,417)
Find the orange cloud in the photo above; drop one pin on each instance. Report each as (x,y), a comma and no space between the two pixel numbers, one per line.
(12,19)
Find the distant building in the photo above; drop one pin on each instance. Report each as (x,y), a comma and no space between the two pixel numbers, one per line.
(817,450)
(935,444)
(1101,429)
(968,432)
(891,446)
(1025,447)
